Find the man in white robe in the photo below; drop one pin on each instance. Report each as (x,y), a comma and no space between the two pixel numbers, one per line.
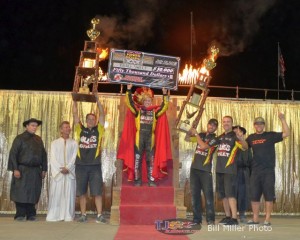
(62,192)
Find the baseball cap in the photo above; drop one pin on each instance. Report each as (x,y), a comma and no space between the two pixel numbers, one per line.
(259,120)
(213,121)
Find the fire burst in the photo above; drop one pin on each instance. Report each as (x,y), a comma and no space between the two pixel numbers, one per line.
(103,54)
(191,75)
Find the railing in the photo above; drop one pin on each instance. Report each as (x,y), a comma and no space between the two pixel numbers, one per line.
(264,90)
(267,92)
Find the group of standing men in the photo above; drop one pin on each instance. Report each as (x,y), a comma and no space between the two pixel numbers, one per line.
(75,165)
(234,156)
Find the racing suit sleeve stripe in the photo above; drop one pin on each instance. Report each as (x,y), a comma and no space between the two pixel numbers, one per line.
(101,132)
(163,107)
(130,103)
(77,131)
(233,153)
(239,145)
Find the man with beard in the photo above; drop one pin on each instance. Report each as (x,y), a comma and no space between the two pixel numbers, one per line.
(28,162)
(200,175)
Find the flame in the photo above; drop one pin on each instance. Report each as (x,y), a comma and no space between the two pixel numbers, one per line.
(103,53)
(102,77)
(191,75)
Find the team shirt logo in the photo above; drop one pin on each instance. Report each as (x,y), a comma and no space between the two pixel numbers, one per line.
(146,117)
(86,142)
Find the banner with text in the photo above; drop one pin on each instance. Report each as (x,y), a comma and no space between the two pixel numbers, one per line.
(143,69)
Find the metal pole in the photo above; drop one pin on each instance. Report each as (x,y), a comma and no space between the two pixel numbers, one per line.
(192,37)
(278,70)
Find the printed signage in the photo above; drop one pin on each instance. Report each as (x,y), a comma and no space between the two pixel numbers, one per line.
(143,69)
(177,226)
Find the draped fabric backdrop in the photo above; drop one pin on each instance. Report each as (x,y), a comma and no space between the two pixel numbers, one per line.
(54,107)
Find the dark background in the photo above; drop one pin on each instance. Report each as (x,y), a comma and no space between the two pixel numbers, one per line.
(41,40)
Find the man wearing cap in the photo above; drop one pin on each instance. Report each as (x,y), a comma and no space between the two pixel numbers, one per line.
(200,174)
(262,180)
(28,162)
(244,159)
(226,169)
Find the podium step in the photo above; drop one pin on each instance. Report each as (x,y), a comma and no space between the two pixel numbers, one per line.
(146,214)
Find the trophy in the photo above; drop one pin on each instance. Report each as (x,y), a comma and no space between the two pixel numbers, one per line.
(184,125)
(93,33)
(195,99)
(197,94)
(88,71)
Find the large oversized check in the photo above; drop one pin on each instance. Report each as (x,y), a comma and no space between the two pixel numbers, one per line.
(143,69)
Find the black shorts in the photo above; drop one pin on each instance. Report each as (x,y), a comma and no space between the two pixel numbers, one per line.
(226,185)
(262,183)
(88,175)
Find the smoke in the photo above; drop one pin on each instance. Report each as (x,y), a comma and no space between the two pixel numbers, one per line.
(237,26)
(233,24)
(135,30)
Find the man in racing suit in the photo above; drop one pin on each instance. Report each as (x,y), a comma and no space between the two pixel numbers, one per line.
(145,122)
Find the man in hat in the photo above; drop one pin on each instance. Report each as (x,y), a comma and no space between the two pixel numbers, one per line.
(226,169)
(28,162)
(88,167)
(243,178)
(262,180)
(147,125)
(200,174)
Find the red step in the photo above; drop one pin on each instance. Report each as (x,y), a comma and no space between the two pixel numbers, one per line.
(147,195)
(144,205)
(146,214)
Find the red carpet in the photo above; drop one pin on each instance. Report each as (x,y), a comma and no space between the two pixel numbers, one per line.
(144,205)
(145,232)
(141,206)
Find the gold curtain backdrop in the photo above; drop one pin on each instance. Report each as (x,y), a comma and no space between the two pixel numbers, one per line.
(55,107)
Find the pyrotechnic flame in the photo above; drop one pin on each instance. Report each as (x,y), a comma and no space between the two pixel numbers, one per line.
(191,75)
(103,53)
(102,76)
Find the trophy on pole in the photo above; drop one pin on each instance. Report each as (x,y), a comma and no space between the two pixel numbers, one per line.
(88,71)
(193,107)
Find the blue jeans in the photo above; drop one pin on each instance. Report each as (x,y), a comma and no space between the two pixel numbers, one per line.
(202,181)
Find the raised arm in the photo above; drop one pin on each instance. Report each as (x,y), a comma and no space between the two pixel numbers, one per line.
(285,127)
(101,110)
(75,113)
(164,105)
(129,100)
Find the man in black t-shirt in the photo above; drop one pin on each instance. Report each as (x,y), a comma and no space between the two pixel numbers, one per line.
(262,180)
(200,175)
(226,169)
(88,166)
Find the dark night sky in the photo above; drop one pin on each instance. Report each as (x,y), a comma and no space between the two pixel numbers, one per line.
(40,41)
